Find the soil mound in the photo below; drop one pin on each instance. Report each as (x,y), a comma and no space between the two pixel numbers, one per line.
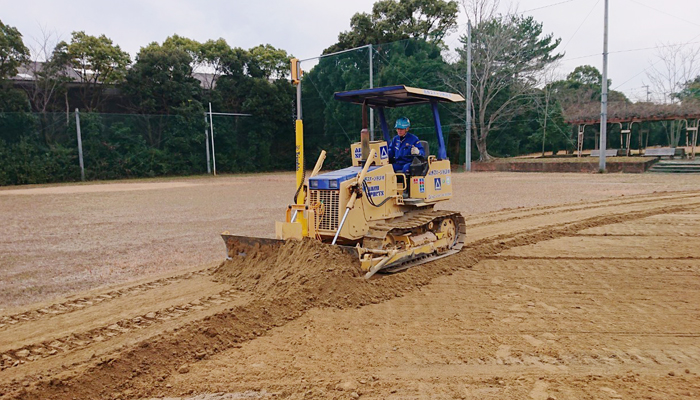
(285,269)
(314,274)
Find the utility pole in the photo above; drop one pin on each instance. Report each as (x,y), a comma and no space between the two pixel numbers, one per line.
(604,97)
(468,92)
(546,114)
(647,87)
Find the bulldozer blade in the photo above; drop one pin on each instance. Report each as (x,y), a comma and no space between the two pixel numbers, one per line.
(239,245)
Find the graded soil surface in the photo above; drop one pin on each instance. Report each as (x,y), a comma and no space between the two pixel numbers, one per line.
(568,287)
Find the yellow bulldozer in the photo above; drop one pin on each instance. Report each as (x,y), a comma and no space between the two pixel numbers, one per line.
(386,218)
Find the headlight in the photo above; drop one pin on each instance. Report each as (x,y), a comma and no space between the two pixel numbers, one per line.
(333,184)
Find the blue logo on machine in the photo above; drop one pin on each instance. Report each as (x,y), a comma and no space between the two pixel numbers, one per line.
(383,153)
(358,152)
(375,191)
(438,184)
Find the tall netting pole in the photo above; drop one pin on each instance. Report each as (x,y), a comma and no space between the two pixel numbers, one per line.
(206,141)
(80,145)
(213,152)
(371,85)
(604,97)
(468,96)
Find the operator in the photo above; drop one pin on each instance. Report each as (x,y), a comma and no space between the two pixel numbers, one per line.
(404,146)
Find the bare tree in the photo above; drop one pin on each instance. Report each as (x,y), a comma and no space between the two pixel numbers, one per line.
(47,78)
(509,57)
(48,81)
(676,65)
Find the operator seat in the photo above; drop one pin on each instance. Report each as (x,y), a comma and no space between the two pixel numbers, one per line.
(419,165)
(426,147)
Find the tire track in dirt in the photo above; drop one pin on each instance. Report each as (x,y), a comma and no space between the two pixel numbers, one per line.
(509,215)
(80,340)
(131,372)
(610,356)
(85,302)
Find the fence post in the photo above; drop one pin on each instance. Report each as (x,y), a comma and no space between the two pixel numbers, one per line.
(80,145)
(206,140)
(213,152)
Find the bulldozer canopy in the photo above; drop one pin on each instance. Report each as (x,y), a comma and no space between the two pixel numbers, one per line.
(397,96)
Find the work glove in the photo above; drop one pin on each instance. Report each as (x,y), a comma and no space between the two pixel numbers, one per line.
(415,151)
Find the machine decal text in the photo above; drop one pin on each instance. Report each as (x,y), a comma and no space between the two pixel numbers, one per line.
(439,172)
(375,192)
(438,196)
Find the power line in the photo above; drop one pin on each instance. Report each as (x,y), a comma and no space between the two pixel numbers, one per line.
(547,6)
(631,50)
(647,68)
(579,27)
(664,12)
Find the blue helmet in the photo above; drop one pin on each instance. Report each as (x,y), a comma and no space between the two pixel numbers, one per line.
(402,123)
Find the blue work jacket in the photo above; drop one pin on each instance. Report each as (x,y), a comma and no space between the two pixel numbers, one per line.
(400,151)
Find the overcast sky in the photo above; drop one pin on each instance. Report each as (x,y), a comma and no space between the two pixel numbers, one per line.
(305,27)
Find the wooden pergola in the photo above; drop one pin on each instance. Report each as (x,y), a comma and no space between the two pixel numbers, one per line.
(627,114)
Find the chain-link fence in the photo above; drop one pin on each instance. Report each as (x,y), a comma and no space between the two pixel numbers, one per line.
(43,147)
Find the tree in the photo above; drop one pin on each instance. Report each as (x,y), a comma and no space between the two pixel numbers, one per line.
(676,65)
(13,52)
(208,58)
(393,20)
(509,56)
(550,131)
(581,87)
(406,35)
(586,75)
(97,62)
(690,90)
(161,82)
(268,62)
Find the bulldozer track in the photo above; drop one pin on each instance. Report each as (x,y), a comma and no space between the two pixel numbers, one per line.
(485,248)
(85,302)
(416,219)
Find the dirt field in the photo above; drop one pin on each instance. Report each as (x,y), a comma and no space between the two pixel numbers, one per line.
(569,287)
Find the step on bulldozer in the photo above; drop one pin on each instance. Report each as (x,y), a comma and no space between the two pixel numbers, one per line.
(386,218)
